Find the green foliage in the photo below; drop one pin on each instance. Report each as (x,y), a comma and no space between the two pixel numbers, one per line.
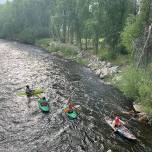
(65,21)
(130,81)
(24,20)
(68,51)
(137,84)
(106,55)
(62,49)
(44,43)
(135,25)
(132,30)
(82,61)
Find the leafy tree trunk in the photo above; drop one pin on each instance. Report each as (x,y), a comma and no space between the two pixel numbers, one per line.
(71,35)
(86,43)
(96,42)
(143,58)
(64,31)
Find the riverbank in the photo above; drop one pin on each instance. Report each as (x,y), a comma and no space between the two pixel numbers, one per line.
(109,71)
(105,70)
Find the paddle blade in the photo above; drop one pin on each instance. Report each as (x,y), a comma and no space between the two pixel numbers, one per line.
(21,94)
(35,92)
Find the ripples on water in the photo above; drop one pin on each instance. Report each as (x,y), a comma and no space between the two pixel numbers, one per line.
(23,128)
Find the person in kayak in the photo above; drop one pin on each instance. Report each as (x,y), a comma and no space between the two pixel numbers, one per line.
(43,101)
(69,106)
(117,123)
(28,91)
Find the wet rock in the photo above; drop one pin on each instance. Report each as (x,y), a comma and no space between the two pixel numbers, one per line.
(109,65)
(114,69)
(98,72)
(103,63)
(138,113)
(102,76)
(143,118)
(105,71)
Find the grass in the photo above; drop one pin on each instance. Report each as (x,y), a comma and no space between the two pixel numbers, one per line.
(137,84)
(52,46)
(65,50)
(120,59)
(70,51)
(82,61)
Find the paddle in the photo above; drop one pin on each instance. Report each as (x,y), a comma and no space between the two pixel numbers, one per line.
(35,92)
(126,121)
(77,107)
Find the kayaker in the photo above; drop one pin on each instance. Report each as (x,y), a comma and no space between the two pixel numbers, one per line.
(43,101)
(28,91)
(69,106)
(117,123)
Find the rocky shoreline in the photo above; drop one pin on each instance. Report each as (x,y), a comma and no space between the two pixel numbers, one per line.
(102,69)
(105,69)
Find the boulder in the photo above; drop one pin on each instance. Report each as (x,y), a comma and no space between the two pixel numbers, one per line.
(98,72)
(105,71)
(108,65)
(114,69)
(102,76)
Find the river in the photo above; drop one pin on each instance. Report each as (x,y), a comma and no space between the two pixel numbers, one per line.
(24,128)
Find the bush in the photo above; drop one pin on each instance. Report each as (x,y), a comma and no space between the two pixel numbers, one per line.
(82,61)
(44,43)
(29,35)
(52,46)
(136,84)
(129,83)
(107,55)
(132,30)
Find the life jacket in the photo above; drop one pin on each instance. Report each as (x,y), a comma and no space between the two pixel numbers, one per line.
(71,106)
(44,103)
(68,107)
(117,121)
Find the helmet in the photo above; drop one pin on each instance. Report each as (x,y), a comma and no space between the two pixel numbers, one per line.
(27,86)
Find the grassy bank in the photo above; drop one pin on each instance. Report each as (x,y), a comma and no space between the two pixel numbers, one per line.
(68,51)
(72,52)
(137,85)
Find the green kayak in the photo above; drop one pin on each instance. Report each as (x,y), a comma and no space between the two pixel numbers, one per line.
(71,114)
(34,92)
(43,105)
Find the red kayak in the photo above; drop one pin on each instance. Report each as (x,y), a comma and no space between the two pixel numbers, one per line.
(122,130)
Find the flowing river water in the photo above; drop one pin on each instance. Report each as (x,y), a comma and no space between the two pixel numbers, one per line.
(24,128)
